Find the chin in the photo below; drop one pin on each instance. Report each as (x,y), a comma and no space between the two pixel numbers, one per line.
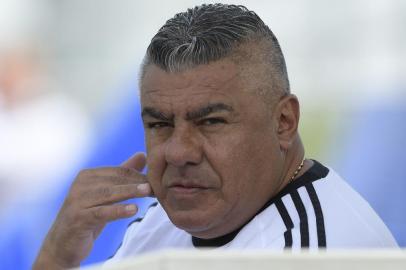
(198,214)
(189,220)
(194,222)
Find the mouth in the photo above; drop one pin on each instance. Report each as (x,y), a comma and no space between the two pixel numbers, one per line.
(185,189)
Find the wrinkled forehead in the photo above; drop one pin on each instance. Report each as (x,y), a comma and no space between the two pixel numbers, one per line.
(215,75)
(203,83)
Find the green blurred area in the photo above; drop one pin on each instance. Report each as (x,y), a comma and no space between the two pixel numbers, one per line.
(323,132)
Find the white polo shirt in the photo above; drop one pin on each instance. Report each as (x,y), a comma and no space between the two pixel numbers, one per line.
(317,210)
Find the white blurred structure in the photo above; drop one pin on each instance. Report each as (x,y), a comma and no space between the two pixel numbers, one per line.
(335,50)
(40,142)
(43,133)
(339,54)
(263,260)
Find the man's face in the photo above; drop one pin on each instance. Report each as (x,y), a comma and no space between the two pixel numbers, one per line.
(213,153)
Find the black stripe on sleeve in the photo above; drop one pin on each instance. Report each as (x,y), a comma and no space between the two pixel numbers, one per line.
(115,252)
(304,226)
(137,220)
(288,222)
(321,233)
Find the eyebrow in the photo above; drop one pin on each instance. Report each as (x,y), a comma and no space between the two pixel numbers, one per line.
(205,111)
(200,113)
(149,111)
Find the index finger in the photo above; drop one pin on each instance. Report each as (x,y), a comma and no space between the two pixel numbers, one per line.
(137,162)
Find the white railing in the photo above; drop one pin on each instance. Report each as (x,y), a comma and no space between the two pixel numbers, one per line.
(260,260)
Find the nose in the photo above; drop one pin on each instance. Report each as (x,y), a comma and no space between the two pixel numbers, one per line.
(183,148)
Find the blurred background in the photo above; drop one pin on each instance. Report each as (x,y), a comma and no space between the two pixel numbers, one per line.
(69,100)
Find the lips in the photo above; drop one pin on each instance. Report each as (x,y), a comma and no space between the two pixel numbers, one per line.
(186,187)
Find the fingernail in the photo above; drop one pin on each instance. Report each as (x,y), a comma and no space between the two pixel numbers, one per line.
(130,208)
(144,188)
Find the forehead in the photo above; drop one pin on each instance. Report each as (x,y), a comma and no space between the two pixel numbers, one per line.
(219,81)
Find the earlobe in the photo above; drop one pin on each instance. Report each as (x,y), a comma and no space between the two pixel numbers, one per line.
(288,120)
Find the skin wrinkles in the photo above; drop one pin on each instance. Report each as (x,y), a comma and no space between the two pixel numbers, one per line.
(192,115)
(166,102)
(203,83)
(210,176)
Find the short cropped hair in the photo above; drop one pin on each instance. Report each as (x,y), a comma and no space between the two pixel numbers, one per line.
(211,32)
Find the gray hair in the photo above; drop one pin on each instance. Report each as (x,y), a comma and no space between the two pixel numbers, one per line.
(208,33)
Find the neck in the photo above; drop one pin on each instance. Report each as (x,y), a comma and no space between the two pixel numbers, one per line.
(294,156)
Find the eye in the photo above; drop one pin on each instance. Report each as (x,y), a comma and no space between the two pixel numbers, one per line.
(211,121)
(157,125)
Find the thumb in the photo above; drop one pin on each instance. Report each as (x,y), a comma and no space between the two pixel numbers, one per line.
(137,162)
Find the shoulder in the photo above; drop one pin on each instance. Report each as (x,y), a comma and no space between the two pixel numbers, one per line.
(349,219)
(320,210)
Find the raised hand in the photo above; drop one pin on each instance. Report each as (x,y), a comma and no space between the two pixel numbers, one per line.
(91,203)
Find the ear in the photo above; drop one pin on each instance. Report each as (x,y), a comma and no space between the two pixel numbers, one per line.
(287,118)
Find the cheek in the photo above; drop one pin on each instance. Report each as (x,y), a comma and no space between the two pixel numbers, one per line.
(228,158)
(243,163)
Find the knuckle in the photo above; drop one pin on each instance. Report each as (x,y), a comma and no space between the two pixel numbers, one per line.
(105,192)
(117,211)
(124,172)
(97,213)
(117,180)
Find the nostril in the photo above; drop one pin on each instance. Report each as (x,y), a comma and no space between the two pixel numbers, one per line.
(191,163)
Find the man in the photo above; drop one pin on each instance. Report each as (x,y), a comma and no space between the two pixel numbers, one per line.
(225,160)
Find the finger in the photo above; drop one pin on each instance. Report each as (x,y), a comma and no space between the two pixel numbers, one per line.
(137,162)
(104,195)
(102,214)
(110,175)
